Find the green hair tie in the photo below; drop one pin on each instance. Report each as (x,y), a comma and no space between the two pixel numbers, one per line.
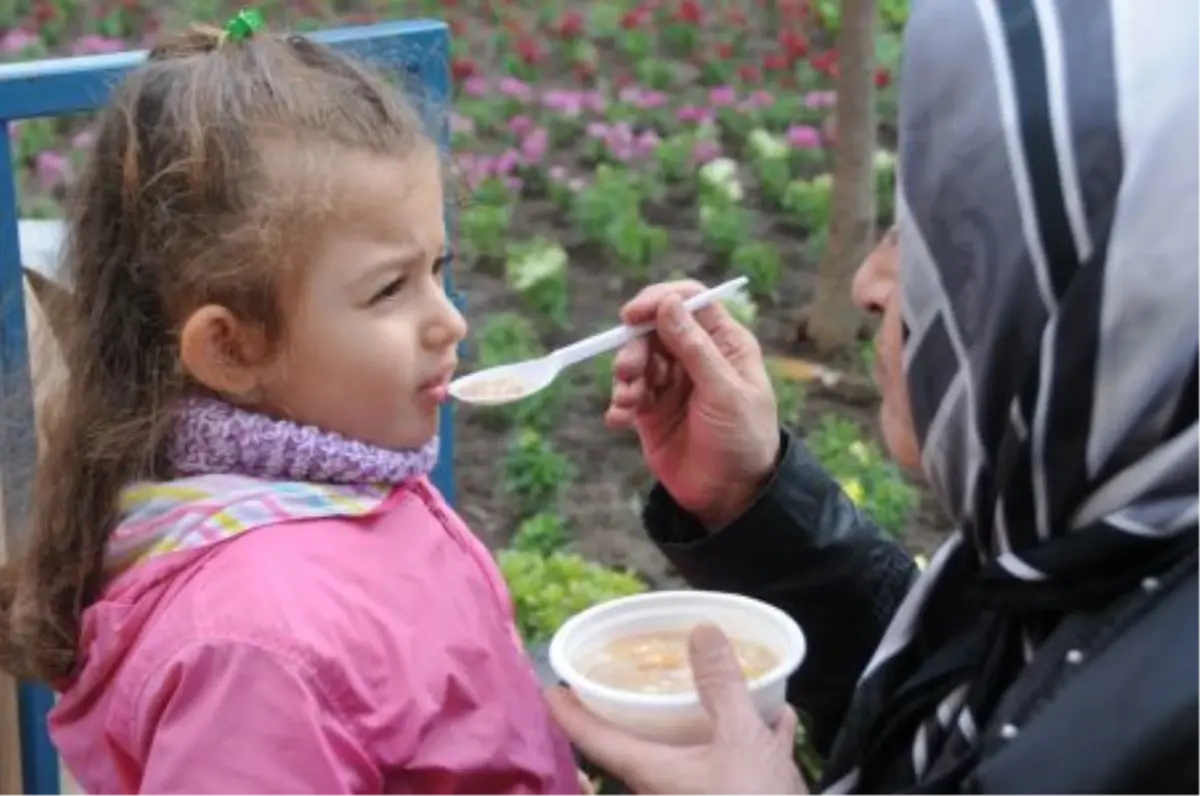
(244,24)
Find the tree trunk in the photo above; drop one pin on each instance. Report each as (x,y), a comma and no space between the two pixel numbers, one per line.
(832,322)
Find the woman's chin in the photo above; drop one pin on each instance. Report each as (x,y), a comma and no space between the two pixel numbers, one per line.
(900,438)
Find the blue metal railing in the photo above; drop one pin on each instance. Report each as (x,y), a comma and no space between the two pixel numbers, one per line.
(58,87)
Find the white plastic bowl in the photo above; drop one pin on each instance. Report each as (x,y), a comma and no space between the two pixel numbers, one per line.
(674,718)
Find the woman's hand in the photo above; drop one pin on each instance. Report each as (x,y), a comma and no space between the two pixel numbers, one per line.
(743,756)
(699,397)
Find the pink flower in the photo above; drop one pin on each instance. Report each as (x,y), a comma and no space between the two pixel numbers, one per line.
(576,184)
(52,168)
(557,174)
(533,148)
(597,130)
(593,101)
(758,100)
(515,89)
(507,162)
(17,41)
(722,96)
(91,44)
(694,114)
(647,142)
(514,184)
(520,125)
(641,98)
(84,139)
(820,99)
(565,102)
(705,151)
(803,136)
(475,86)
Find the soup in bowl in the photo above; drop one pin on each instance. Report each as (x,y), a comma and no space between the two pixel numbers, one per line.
(627,660)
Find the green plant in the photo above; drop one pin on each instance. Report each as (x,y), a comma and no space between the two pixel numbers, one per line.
(635,243)
(537,271)
(743,309)
(508,337)
(542,533)
(719,181)
(534,472)
(885,183)
(547,590)
(771,166)
(807,201)
(484,230)
(724,227)
(760,262)
(789,396)
(872,482)
(614,192)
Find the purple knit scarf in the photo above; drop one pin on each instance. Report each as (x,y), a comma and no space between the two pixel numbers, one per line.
(215,437)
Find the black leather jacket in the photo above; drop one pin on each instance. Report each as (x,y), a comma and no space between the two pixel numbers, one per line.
(1109,704)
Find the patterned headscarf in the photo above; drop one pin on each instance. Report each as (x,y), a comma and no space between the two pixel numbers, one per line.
(1047,210)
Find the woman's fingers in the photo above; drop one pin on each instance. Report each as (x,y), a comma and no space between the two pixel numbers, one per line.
(643,308)
(620,754)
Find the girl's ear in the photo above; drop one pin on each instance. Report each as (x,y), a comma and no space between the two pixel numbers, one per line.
(224,354)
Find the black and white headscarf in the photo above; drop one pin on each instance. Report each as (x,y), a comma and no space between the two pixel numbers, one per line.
(1049,265)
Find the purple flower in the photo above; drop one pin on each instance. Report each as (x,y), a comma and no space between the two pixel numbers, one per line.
(694,114)
(803,136)
(820,99)
(533,148)
(593,101)
(705,151)
(722,96)
(515,89)
(569,103)
(52,168)
(597,130)
(520,125)
(514,184)
(17,41)
(84,139)
(475,86)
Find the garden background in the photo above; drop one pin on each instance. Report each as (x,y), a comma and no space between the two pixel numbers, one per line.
(603,146)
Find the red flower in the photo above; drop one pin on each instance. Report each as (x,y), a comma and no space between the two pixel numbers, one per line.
(724,51)
(514,26)
(631,20)
(690,12)
(749,73)
(462,68)
(458,26)
(883,77)
(528,50)
(776,62)
(570,25)
(735,17)
(795,45)
(43,13)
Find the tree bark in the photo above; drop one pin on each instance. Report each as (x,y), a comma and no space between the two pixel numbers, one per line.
(832,321)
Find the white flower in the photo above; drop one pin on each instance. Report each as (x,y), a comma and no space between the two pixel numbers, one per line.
(721,174)
(767,146)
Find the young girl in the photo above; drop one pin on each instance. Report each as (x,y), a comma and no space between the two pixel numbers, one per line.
(240,577)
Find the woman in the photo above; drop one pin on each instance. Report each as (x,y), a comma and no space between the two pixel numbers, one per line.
(1037,357)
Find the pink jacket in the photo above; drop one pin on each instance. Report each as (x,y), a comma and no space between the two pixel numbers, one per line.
(348,655)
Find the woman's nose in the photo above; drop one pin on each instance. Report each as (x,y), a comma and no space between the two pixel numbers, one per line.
(875,278)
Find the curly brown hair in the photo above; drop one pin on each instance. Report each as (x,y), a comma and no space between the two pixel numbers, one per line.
(209,170)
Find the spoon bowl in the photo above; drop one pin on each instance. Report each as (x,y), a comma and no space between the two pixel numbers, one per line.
(507,383)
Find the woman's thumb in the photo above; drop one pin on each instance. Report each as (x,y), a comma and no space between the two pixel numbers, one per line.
(691,344)
(721,684)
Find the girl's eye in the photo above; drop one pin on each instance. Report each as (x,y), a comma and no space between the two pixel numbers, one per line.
(390,290)
(442,263)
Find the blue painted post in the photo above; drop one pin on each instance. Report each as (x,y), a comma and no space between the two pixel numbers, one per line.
(58,87)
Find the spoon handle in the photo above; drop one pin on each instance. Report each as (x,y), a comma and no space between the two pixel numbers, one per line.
(615,338)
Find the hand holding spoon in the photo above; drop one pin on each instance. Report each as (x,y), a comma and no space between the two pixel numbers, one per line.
(507,383)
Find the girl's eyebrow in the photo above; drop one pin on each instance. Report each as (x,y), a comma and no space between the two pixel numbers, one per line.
(390,265)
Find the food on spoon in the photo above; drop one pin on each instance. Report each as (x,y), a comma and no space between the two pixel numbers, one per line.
(657,663)
(497,388)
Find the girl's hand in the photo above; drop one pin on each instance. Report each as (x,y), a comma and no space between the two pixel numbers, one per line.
(743,756)
(700,399)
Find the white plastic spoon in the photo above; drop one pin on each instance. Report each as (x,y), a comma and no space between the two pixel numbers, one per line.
(507,383)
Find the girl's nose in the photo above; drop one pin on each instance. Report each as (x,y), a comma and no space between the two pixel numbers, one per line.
(446,327)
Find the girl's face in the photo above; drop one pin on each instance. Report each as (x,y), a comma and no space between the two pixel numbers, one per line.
(371,335)
(876,290)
